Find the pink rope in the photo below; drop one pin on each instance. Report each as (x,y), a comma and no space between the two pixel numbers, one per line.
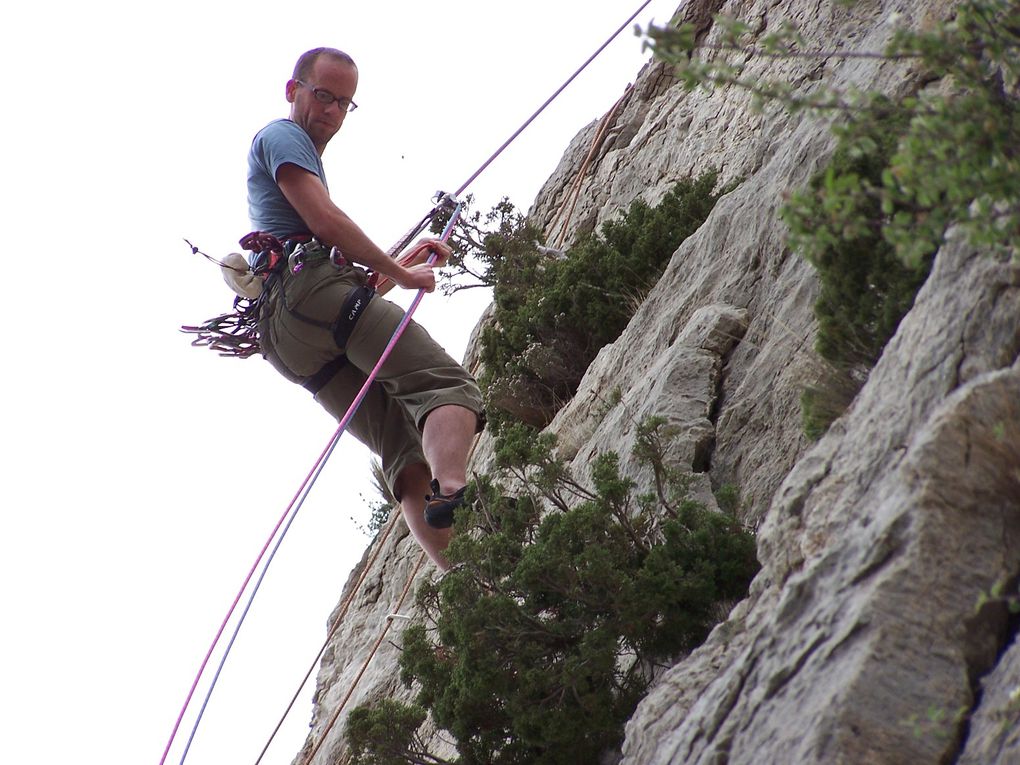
(302,491)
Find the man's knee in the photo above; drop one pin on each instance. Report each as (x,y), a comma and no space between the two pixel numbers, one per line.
(412,482)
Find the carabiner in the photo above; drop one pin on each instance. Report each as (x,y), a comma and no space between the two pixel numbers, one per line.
(296,261)
(444,199)
(336,258)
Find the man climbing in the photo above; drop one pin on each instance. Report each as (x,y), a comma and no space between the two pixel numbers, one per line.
(322,327)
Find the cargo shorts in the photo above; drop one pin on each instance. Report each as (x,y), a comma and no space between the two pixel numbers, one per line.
(417,377)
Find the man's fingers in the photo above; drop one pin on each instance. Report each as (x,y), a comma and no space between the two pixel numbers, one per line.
(421,278)
(440,248)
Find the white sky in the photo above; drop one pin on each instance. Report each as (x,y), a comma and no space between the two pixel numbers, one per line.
(141,476)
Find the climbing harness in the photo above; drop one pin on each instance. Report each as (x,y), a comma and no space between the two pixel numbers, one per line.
(351,310)
(236,334)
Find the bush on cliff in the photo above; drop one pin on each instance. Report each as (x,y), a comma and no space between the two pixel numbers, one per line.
(538,644)
(905,170)
(838,224)
(553,313)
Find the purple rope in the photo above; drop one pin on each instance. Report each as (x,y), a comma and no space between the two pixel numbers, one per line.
(289,515)
(299,497)
(548,101)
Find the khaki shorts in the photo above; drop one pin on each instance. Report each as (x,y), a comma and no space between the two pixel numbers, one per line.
(418,375)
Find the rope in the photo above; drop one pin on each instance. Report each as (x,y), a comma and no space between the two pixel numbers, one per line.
(309,481)
(345,606)
(549,100)
(575,190)
(289,515)
(364,666)
(339,620)
(292,511)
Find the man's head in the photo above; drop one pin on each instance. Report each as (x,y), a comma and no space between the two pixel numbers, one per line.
(321,92)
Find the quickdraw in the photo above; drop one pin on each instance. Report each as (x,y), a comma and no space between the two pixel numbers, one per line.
(231,334)
(236,333)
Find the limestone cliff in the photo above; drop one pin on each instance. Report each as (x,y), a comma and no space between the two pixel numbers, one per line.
(867,636)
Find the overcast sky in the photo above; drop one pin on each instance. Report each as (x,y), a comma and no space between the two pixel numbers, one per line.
(141,476)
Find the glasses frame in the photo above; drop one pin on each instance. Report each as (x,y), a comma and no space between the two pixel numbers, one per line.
(325,97)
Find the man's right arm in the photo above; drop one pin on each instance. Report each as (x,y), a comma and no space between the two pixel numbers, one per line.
(308,196)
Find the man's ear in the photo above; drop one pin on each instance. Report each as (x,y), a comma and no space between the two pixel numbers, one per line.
(292,87)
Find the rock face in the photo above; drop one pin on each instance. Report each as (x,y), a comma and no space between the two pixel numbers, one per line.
(870,624)
(876,631)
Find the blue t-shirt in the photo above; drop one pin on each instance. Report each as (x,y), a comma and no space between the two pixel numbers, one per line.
(278,143)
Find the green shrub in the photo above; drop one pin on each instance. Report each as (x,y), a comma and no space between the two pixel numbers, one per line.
(387,733)
(727,497)
(539,641)
(839,225)
(553,314)
(905,170)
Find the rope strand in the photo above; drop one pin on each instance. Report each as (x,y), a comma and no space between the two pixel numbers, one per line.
(317,468)
(291,513)
(548,101)
(379,544)
(364,666)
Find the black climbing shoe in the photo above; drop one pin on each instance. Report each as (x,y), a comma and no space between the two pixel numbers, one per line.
(439,508)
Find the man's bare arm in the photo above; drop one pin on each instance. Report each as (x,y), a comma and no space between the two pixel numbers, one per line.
(331,225)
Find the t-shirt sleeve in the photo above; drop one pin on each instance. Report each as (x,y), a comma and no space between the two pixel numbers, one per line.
(282,142)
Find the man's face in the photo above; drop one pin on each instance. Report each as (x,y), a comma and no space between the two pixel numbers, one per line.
(321,121)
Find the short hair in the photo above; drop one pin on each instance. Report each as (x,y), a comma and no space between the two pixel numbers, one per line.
(303,67)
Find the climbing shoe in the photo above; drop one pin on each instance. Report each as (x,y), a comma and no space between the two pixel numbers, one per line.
(439,508)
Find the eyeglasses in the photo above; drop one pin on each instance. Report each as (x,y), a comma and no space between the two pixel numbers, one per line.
(325,98)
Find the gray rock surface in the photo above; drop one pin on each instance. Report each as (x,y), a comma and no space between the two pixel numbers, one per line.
(878,630)
(870,621)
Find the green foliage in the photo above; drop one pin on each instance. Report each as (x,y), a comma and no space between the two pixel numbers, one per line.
(562,595)
(958,163)
(553,314)
(816,414)
(955,160)
(482,244)
(838,224)
(387,733)
(903,172)
(727,497)
(378,516)
(937,722)
(379,509)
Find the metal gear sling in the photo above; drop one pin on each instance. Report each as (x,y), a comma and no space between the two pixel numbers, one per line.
(238,334)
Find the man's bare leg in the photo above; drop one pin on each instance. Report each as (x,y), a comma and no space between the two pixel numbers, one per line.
(413,485)
(446,441)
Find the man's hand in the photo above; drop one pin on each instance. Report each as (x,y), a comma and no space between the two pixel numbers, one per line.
(417,277)
(418,256)
(424,248)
